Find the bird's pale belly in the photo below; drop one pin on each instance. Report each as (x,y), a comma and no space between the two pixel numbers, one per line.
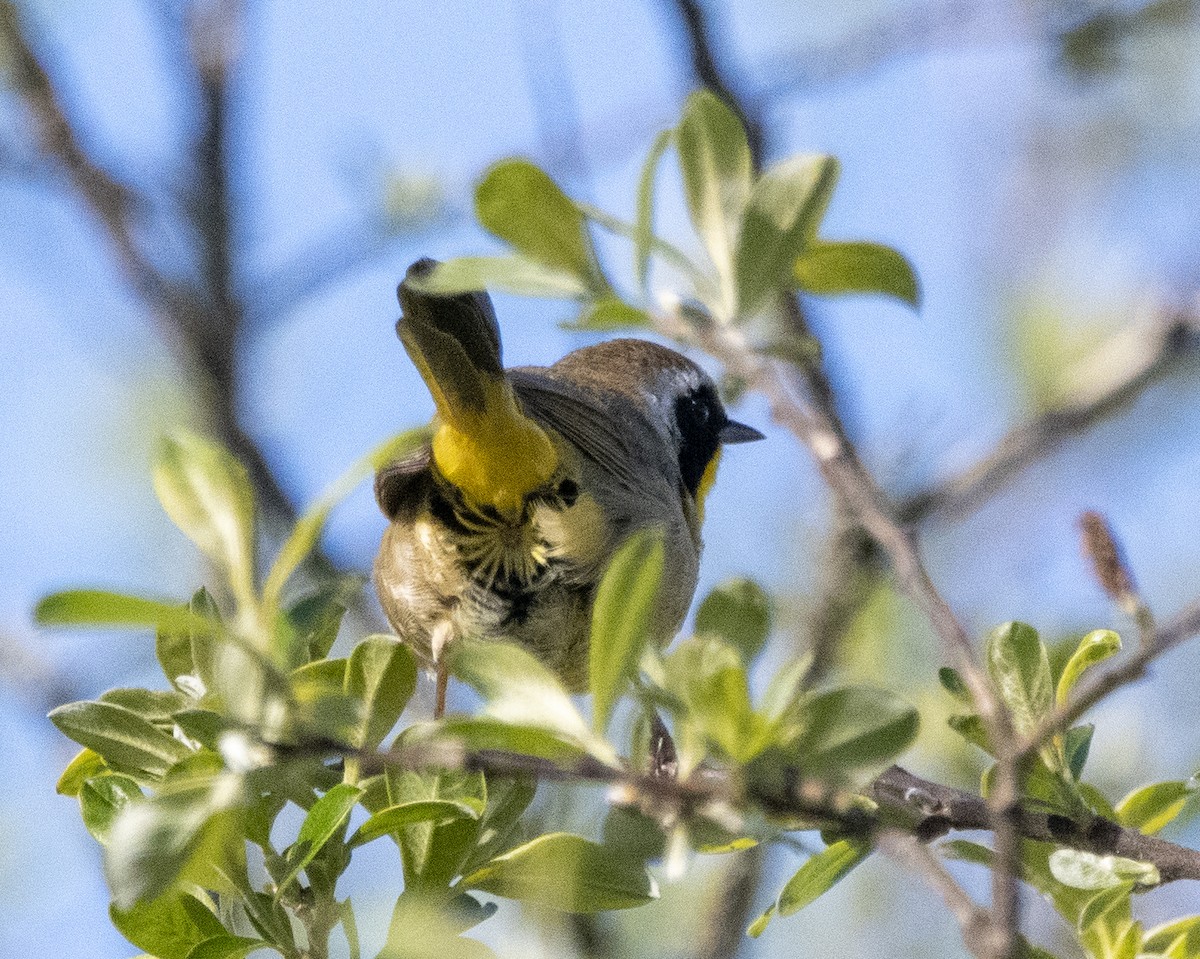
(532,584)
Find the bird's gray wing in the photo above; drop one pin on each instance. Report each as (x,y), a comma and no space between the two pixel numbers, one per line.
(400,487)
(582,419)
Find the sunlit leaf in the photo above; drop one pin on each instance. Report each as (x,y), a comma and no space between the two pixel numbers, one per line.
(644,226)
(207,494)
(1153,806)
(326,819)
(186,653)
(1077,742)
(739,612)
(86,764)
(95,607)
(123,738)
(567,873)
(818,875)
(382,675)
(610,313)
(782,216)
(622,619)
(523,206)
(714,158)
(513,274)
(228,947)
(1183,935)
(1020,667)
(394,818)
(169,927)
(1095,647)
(1086,870)
(102,798)
(830,268)
(853,727)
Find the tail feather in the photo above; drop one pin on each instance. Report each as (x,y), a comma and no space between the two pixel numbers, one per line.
(484,443)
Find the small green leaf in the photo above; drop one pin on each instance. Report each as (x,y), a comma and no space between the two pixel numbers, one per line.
(306,533)
(1163,938)
(1095,647)
(523,206)
(1020,668)
(169,927)
(154,706)
(829,268)
(516,687)
(818,875)
(155,841)
(483,733)
(782,216)
(187,651)
(1086,870)
(207,494)
(123,738)
(739,612)
(86,764)
(643,237)
(970,727)
(622,619)
(394,818)
(852,728)
(326,819)
(228,947)
(513,274)
(1152,807)
(568,873)
(1097,908)
(1076,744)
(610,313)
(714,158)
(102,798)
(953,683)
(382,675)
(95,607)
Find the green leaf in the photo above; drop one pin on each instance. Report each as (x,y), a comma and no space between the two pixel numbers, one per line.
(425,926)
(970,727)
(610,313)
(123,738)
(513,274)
(169,927)
(1086,870)
(95,607)
(708,677)
(382,675)
(228,947)
(1152,807)
(189,832)
(739,612)
(643,237)
(1076,744)
(781,221)
(1095,647)
(434,854)
(482,733)
(516,687)
(85,764)
(829,268)
(568,873)
(1163,938)
(326,819)
(306,533)
(1099,907)
(102,798)
(781,700)
(818,875)
(154,706)
(187,651)
(523,206)
(622,619)
(394,818)
(714,158)
(1020,668)
(207,494)
(953,683)
(852,728)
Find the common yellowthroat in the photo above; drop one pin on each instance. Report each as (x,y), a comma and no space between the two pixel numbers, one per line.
(503,526)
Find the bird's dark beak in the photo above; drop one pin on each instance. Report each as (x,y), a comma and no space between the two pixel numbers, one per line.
(735,432)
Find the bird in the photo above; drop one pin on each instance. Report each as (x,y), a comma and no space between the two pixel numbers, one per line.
(502,525)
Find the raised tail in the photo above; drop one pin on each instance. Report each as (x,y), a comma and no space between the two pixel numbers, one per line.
(484,442)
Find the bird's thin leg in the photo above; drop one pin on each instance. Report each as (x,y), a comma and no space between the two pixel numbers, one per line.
(443,677)
(439,640)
